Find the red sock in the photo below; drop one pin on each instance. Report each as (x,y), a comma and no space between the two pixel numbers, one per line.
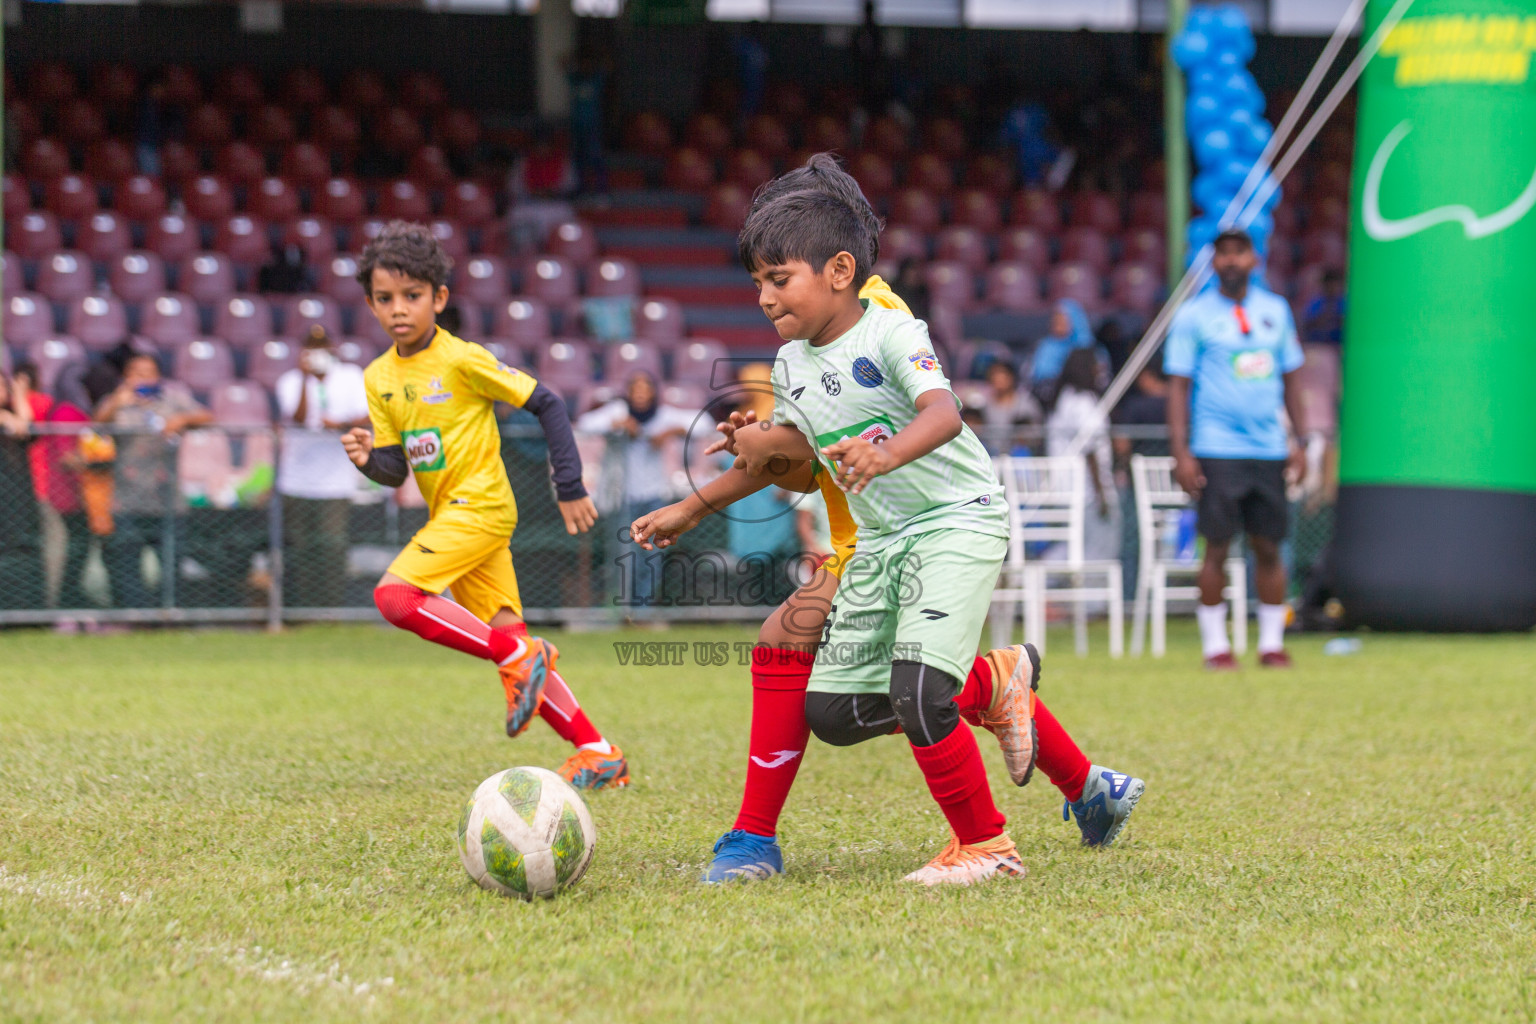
(1059,757)
(441,621)
(958,782)
(976,695)
(779,735)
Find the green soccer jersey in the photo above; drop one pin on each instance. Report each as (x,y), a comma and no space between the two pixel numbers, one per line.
(865,384)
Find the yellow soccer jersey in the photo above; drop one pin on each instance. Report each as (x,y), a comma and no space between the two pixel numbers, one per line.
(845,533)
(438,404)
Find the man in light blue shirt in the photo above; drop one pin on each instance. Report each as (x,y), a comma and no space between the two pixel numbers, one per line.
(1231,360)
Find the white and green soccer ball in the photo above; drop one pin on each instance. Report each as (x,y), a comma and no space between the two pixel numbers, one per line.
(526,832)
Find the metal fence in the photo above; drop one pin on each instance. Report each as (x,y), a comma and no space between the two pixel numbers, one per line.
(218,544)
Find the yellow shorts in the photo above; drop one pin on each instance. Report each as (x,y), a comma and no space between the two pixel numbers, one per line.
(457,552)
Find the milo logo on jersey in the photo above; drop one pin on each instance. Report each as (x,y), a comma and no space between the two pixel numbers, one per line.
(424,449)
(875,431)
(1254,364)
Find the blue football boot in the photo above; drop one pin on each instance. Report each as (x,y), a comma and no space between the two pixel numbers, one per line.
(743,855)
(1107,801)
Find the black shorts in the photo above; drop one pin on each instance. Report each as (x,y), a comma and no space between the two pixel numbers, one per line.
(1246,495)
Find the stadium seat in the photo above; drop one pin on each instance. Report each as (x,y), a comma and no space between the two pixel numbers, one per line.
(239,403)
(306,164)
(209,277)
(979,209)
(363,88)
(180,86)
(551,279)
(244,321)
(1331,179)
(473,318)
(701,361)
(18,196)
(899,243)
(1307,284)
(873,173)
(202,364)
(335,128)
(468,203)
(490,238)
(139,198)
(208,125)
(454,240)
(104,236)
(422,91)
(1024,245)
(14,281)
(613,278)
(273,199)
(1324,246)
(931,172)
(79,121)
(27,318)
(1097,210)
(747,168)
(689,170)
(625,358)
(340,201)
(1278,280)
(1135,287)
(179,162)
(588,397)
(1013,287)
(357,351)
(708,134)
(727,207)
(239,85)
(946,325)
(1144,245)
(564,365)
(403,199)
(766,134)
(25,124)
(51,81)
(1076,281)
(244,240)
(826,133)
(508,354)
(241,163)
(114,85)
(65,276)
(989,172)
(574,240)
(35,235)
(270,125)
(208,198)
(916,209)
(314,237)
(964,245)
(946,137)
(1282,253)
(888,137)
(1287,222)
(51,354)
(1037,209)
(172,237)
(366,231)
(302,88)
(99,321)
(366,326)
(428,167)
(204,462)
(70,196)
(521,320)
(482,280)
(338,279)
(301,312)
(109,160)
(270,359)
(1149,210)
(136,276)
(397,131)
(1086,245)
(950,284)
(659,319)
(648,133)
(44,160)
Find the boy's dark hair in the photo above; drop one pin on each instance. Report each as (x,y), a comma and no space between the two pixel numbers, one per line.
(405,248)
(809,226)
(823,172)
(1081,370)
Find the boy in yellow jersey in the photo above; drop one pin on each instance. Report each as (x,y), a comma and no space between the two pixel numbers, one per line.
(431,399)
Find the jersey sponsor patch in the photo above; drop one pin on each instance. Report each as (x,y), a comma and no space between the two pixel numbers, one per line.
(1253,364)
(875,431)
(924,360)
(424,449)
(867,373)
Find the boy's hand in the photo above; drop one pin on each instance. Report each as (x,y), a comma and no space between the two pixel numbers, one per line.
(1187,474)
(579,515)
(860,461)
(661,528)
(735,422)
(358,443)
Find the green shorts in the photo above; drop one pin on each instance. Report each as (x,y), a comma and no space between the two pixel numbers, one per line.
(924,598)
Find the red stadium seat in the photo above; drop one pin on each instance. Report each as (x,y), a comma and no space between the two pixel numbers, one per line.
(65,276)
(70,197)
(521,320)
(204,461)
(28,318)
(179,162)
(708,134)
(469,203)
(338,279)
(898,243)
(340,201)
(172,236)
(1330,212)
(950,285)
(209,277)
(99,321)
(1286,220)
(403,199)
(989,172)
(366,231)
(139,198)
(202,364)
(1013,287)
(398,131)
(916,209)
(44,159)
(169,320)
(1036,209)
(18,197)
(873,173)
(767,134)
(1097,210)
(51,354)
(504,352)
(1086,245)
(303,88)
(273,199)
(1024,245)
(50,81)
(34,235)
(357,351)
(964,245)
(208,198)
(625,358)
(306,164)
(826,133)
(887,136)
(690,170)
(366,326)
(1324,247)
(242,163)
(270,360)
(574,240)
(24,123)
(1282,253)
(422,91)
(244,240)
(334,128)
(979,209)
(362,88)
(1135,287)
(701,361)
(1076,281)
(564,365)
(482,280)
(648,133)
(472,318)
(270,125)
(748,168)
(552,279)
(428,166)
(243,320)
(80,121)
(457,130)
(239,85)
(103,236)
(453,241)
(491,238)
(659,319)
(1149,210)
(136,276)
(727,207)
(13,278)
(932,172)
(613,278)
(946,325)
(208,125)
(239,403)
(315,237)
(109,160)
(786,99)
(301,312)
(1331,179)
(180,86)
(946,137)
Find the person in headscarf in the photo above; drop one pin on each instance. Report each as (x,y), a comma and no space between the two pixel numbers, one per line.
(1069,331)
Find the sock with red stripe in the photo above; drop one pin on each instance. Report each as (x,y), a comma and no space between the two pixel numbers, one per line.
(1059,756)
(779,735)
(958,781)
(441,621)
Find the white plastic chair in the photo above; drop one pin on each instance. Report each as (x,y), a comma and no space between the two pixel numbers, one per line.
(1159,503)
(1047,503)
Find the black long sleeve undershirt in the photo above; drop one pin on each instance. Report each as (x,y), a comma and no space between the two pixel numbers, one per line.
(386,465)
(564,461)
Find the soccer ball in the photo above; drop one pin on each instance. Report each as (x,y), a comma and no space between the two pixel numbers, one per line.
(525,832)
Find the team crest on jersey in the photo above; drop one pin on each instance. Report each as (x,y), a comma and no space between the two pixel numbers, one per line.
(867,373)
(831,384)
(410,392)
(923,360)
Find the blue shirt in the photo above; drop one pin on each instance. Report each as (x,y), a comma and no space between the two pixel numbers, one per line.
(1237,389)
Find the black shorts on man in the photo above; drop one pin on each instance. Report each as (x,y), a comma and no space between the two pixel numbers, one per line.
(1246,495)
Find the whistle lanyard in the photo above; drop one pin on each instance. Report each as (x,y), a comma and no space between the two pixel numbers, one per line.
(1242,319)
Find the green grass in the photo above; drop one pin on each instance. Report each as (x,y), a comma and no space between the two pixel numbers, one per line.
(228,826)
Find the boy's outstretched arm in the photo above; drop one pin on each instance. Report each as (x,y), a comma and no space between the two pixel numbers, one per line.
(565,462)
(937,423)
(661,528)
(766,446)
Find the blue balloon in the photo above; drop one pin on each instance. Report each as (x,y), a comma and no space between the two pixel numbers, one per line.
(1235,30)
(1234,172)
(1239,90)
(1200,17)
(1211,193)
(1191,48)
(1226,57)
(1207,80)
(1250,133)
(1202,232)
(1202,110)
(1213,147)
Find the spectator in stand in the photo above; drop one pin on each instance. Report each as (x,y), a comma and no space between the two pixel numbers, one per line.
(1008,407)
(317,401)
(1027,130)
(1232,358)
(56,467)
(1069,331)
(21,573)
(285,272)
(640,428)
(1323,319)
(150,413)
(913,287)
(1076,411)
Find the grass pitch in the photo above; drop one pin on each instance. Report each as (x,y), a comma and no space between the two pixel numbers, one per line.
(228,826)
